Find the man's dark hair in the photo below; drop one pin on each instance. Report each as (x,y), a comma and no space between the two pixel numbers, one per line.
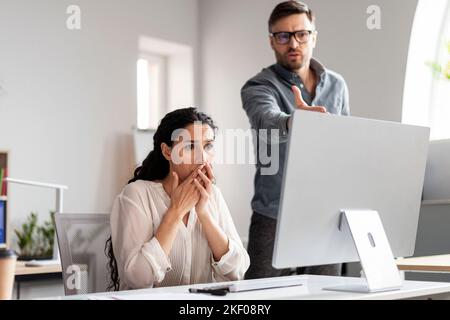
(288,8)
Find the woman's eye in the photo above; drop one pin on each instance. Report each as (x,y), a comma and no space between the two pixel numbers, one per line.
(190,146)
(209,146)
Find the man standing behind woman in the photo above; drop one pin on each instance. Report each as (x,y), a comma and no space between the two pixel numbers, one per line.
(295,81)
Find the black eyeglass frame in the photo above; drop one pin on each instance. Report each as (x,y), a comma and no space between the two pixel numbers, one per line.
(291,34)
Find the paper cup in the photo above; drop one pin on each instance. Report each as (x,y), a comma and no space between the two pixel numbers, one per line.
(7,269)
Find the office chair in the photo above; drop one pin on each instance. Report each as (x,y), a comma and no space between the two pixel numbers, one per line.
(81,239)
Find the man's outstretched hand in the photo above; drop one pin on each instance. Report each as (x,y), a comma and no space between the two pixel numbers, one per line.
(301,104)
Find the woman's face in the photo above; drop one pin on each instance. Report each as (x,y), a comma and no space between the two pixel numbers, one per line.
(192,146)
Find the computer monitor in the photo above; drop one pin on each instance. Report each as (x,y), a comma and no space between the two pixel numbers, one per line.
(335,163)
(3,223)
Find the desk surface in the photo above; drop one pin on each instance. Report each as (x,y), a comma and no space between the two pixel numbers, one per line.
(22,270)
(311,290)
(440,263)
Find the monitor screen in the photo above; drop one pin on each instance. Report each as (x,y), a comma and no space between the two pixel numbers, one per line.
(2,222)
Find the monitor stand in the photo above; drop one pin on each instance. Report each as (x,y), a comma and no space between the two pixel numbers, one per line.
(373,250)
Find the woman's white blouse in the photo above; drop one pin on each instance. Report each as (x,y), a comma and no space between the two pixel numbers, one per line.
(136,215)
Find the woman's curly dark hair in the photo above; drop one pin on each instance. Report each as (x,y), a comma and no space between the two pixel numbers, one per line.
(156,167)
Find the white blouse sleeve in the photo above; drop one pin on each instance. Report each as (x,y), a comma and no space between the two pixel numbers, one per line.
(234,263)
(140,258)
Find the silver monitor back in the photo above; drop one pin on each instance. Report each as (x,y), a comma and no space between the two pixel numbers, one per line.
(336,163)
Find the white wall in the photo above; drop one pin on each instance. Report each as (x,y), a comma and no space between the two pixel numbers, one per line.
(70,96)
(235,47)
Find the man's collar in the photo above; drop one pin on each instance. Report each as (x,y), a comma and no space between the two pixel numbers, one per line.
(290,76)
(318,67)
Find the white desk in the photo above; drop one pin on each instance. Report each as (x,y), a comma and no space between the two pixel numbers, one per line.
(312,290)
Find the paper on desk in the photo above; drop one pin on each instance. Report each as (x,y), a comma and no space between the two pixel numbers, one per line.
(166,296)
(99,297)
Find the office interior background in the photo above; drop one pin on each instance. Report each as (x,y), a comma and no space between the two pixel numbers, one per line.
(70,98)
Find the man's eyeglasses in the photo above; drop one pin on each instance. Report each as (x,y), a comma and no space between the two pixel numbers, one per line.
(284,37)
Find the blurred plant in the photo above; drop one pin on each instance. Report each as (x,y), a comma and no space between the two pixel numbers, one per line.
(441,70)
(36,241)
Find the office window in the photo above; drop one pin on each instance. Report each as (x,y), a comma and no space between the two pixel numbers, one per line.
(426,97)
(440,103)
(165,80)
(151,97)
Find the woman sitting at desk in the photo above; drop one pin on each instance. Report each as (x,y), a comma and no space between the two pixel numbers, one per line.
(171,225)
